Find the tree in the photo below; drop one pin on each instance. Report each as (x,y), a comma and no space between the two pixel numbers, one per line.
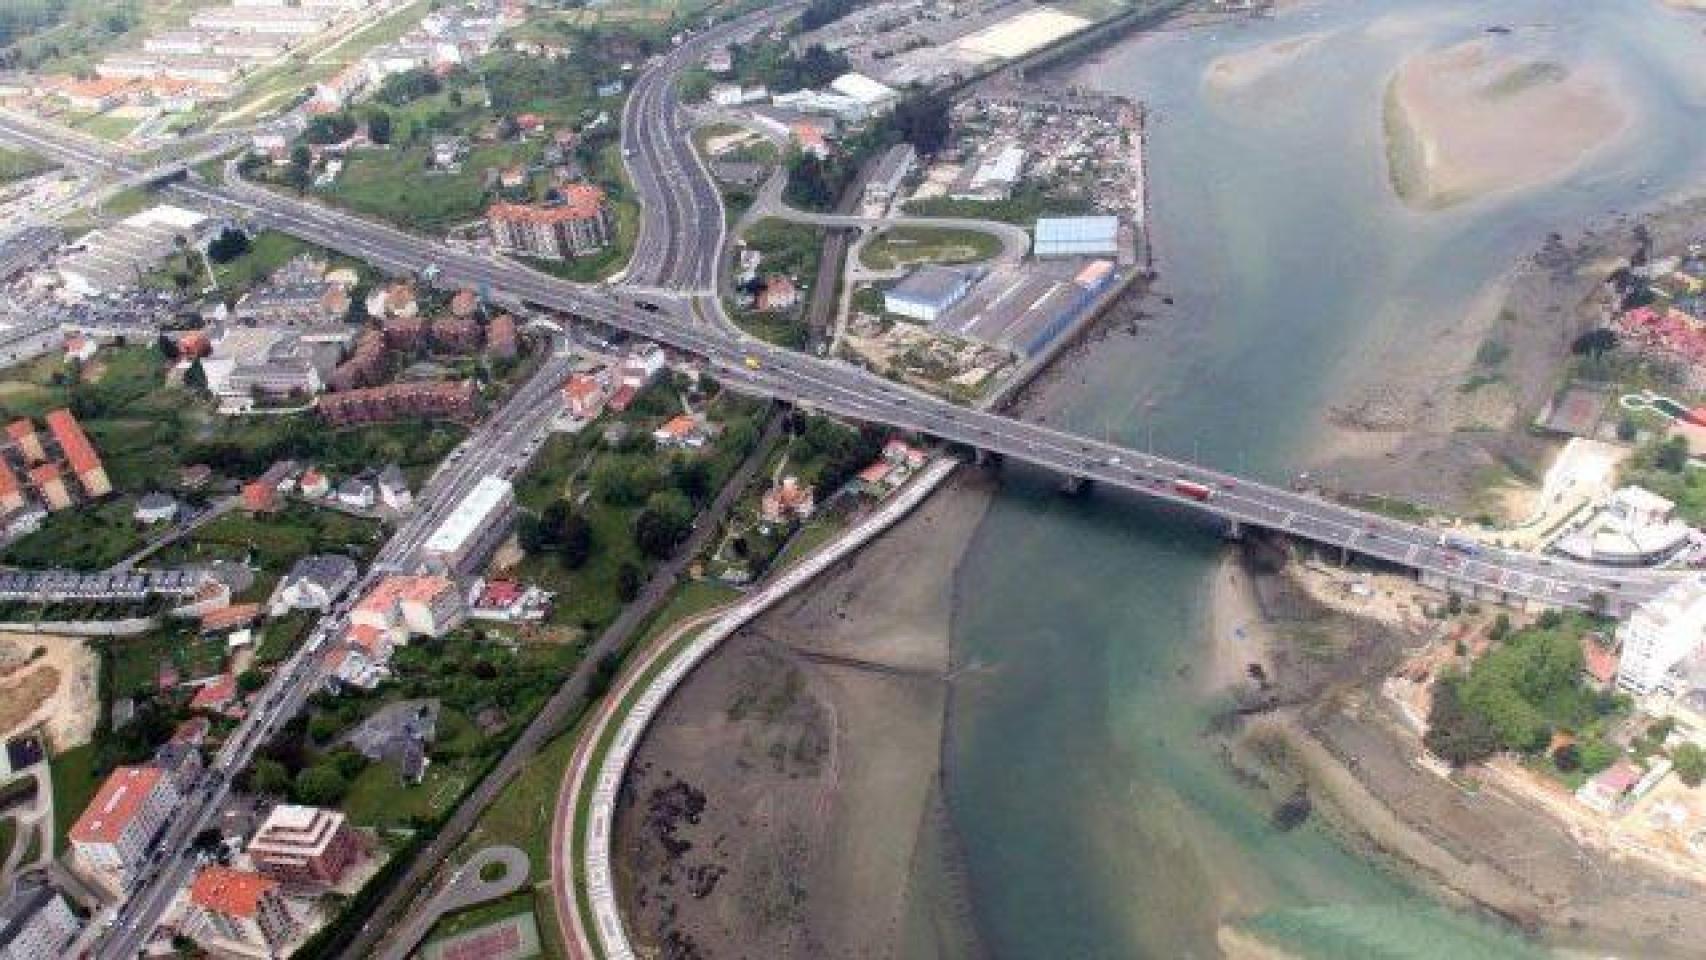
(327,128)
(379,126)
(1595,343)
(1457,735)
(167,346)
(1567,758)
(1672,455)
(321,786)
(663,523)
(269,776)
(627,582)
(1690,763)
(195,377)
(323,726)
(251,680)
(228,246)
(575,548)
(922,120)
(554,521)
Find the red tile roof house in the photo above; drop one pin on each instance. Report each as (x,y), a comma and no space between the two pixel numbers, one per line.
(216,696)
(238,913)
(779,293)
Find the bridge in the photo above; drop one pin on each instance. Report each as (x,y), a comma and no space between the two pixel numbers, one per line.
(674,184)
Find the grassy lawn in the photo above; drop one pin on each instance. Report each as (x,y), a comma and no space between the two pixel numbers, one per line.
(394,185)
(74,784)
(20,165)
(1030,201)
(136,660)
(86,537)
(273,542)
(521,815)
(793,250)
(903,246)
(105,125)
(378,798)
(689,599)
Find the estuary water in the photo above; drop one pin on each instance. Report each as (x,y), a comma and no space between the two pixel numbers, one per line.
(1094,817)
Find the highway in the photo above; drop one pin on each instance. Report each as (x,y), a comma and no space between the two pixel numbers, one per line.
(835,387)
(679,247)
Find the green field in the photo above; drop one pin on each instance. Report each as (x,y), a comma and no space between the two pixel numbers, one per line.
(18,165)
(379,799)
(74,785)
(87,537)
(396,186)
(273,542)
(904,246)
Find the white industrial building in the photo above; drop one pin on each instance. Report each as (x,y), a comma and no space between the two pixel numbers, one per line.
(995,177)
(1077,236)
(474,527)
(873,96)
(1660,635)
(927,293)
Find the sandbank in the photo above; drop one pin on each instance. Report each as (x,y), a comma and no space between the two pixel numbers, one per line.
(1475,119)
(1242,69)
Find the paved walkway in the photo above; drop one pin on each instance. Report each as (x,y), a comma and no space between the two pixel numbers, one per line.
(597,778)
(465,888)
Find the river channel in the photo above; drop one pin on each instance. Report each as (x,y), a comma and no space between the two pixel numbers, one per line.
(1094,819)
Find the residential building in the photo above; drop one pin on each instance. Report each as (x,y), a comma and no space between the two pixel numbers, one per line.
(425,605)
(394,489)
(927,292)
(358,493)
(1660,635)
(474,528)
(501,337)
(398,401)
(154,508)
(181,763)
(315,582)
(79,453)
(304,847)
(683,432)
(23,436)
(788,500)
(778,293)
(116,829)
(238,912)
(578,226)
(50,485)
(36,924)
(584,396)
(11,491)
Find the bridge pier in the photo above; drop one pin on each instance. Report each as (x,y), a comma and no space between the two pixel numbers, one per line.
(986,458)
(1074,486)
(1234,530)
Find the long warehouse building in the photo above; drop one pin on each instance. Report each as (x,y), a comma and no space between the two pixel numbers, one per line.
(473,529)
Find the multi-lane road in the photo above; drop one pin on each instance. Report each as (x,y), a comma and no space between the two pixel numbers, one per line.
(678,250)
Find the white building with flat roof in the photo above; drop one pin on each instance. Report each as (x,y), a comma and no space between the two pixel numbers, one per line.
(1661,634)
(474,527)
(1077,236)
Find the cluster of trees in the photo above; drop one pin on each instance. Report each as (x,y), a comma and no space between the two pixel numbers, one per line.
(817,183)
(327,128)
(228,246)
(33,32)
(822,13)
(774,64)
(403,88)
(842,450)
(1526,687)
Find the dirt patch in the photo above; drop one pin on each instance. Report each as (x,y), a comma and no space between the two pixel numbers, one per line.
(784,802)
(51,682)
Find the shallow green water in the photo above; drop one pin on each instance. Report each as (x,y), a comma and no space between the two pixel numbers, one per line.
(1095,819)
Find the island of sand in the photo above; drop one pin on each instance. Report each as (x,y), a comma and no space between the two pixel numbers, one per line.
(1474,119)
(1242,70)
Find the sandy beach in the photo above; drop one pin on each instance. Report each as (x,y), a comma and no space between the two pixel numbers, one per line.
(786,802)
(1476,119)
(1241,70)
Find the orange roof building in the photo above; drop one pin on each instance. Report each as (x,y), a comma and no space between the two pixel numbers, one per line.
(114,831)
(50,483)
(576,226)
(23,435)
(11,491)
(79,452)
(238,907)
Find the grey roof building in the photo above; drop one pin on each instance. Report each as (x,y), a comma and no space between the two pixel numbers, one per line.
(35,923)
(315,582)
(927,292)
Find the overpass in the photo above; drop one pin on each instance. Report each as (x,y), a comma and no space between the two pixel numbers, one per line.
(835,387)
